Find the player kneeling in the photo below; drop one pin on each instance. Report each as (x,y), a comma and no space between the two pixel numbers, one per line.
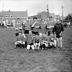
(30,46)
(37,45)
(44,45)
(20,44)
(53,42)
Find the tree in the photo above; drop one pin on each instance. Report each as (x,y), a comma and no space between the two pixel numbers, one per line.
(68,18)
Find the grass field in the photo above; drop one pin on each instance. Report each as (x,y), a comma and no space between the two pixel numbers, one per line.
(21,60)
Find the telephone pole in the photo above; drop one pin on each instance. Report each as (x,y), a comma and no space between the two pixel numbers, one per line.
(47,11)
(62,13)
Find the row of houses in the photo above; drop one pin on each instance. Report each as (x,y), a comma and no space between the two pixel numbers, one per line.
(17,17)
(14,14)
(13,17)
(45,15)
(24,14)
(46,18)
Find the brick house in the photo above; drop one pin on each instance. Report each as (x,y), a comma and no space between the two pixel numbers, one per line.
(13,16)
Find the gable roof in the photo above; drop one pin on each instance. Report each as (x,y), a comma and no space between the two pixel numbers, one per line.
(14,13)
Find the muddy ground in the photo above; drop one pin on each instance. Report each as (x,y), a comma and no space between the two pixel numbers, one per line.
(21,60)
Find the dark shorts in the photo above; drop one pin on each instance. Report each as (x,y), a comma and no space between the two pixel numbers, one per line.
(58,36)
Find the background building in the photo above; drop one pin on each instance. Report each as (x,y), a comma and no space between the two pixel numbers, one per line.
(13,17)
(15,14)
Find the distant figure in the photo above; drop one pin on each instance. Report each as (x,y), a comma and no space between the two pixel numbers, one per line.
(57,30)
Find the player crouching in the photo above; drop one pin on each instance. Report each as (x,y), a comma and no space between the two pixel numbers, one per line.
(46,45)
(30,46)
(34,46)
(53,43)
(20,44)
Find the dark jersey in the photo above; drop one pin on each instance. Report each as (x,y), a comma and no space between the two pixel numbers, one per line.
(58,28)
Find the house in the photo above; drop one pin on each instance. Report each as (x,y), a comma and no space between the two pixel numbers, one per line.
(14,14)
(15,17)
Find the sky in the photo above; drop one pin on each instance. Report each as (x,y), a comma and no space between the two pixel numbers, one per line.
(35,6)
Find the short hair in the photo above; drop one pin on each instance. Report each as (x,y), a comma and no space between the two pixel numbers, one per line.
(34,17)
(16,34)
(48,33)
